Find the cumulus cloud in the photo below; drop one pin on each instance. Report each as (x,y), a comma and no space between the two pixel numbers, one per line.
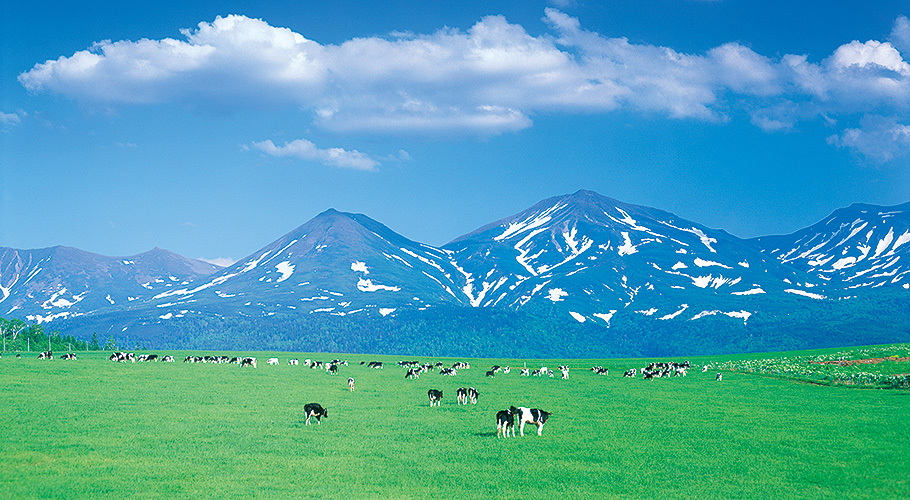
(305,150)
(489,79)
(879,139)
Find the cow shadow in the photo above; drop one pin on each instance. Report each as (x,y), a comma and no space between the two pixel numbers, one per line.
(485,434)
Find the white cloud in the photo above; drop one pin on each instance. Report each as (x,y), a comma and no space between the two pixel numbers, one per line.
(306,150)
(880,139)
(489,79)
(10,119)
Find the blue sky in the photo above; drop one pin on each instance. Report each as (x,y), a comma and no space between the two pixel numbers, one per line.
(213,128)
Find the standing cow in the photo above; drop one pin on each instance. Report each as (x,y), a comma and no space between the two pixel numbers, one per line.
(530,415)
(435,397)
(315,410)
(505,421)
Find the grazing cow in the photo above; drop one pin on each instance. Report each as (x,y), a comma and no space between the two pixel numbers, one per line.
(46,355)
(525,372)
(505,420)
(351,383)
(315,410)
(448,371)
(506,370)
(248,362)
(704,368)
(412,373)
(530,415)
(461,395)
(565,372)
(630,372)
(332,369)
(435,397)
(602,371)
(273,361)
(472,395)
(168,359)
(293,362)
(375,364)
(69,355)
(491,373)
(718,377)
(18,356)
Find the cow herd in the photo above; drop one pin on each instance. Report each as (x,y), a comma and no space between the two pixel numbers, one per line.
(506,420)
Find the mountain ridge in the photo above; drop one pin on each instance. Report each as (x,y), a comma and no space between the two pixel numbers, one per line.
(580,258)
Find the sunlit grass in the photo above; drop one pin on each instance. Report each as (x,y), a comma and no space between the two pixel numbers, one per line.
(96,429)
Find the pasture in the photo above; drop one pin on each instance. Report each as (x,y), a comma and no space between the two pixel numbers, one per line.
(92,428)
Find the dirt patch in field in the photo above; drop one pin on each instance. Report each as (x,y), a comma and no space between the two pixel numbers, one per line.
(851,362)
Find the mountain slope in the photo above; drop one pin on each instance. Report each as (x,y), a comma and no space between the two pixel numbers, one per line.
(591,256)
(337,263)
(855,247)
(60,282)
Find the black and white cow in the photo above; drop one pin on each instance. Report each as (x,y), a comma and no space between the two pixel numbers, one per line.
(412,373)
(168,359)
(472,395)
(248,362)
(451,372)
(491,373)
(530,415)
(375,364)
(68,356)
(461,395)
(46,355)
(351,383)
(435,397)
(718,377)
(505,420)
(630,373)
(314,410)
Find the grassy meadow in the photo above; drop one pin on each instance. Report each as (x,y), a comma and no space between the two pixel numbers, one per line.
(96,429)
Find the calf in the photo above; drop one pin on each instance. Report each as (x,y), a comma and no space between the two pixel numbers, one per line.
(530,415)
(505,420)
(472,395)
(435,397)
(461,396)
(315,410)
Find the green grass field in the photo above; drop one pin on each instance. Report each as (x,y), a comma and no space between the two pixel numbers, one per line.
(96,429)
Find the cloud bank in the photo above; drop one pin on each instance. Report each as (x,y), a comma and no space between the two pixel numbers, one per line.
(491,79)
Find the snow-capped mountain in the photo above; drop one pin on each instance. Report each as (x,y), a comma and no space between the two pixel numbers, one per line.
(575,261)
(61,282)
(590,256)
(337,264)
(855,247)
